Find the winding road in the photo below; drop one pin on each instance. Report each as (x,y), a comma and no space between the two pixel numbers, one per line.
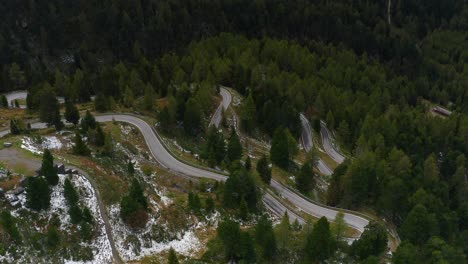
(167,160)
(218,115)
(328,144)
(307,143)
(17,95)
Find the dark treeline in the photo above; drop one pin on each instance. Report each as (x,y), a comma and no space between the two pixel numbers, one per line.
(38,37)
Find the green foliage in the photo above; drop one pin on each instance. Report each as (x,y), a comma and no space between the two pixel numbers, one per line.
(87,216)
(243,209)
(70,193)
(320,244)
(194,202)
(279,151)
(240,184)
(305,179)
(192,117)
(80,147)
(134,206)
(248,163)
(209,205)
(9,224)
(172,258)
(48,169)
(130,167)
(283,232)
(229,233)
(99,138)
(49,109)
(265,238)
(248,114)
(37,193)
(373,242)
(75,214)
(72,114)
(15,127)
(88,122)
(263,169)
(234,148)
(3,101)
(419,225)
(53,238)
(215,149)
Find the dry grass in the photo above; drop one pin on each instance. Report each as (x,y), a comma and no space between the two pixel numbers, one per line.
(10,183)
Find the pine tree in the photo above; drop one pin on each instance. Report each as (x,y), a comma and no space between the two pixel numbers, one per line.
(88,122)
(128,97)
(53,237)
(108,149)
(49,109)
(80,147)
(14,127)
(3,101)
(149,98)
(248,114)
(320,244)
(214,150)
(164,119)
(373,242)
(70,193)
(264,169)
(339,226)
(243,209)
(87,216)
(209,205)
(229,233)
(305,179)
(247,248)
(133,207)
(283,232)
(248,163)
(279,151)
(130,168)
(101,103)
(234,147)
(75,214)
(172,259)
(265,238)
(192,117)
(100,138)
(37,193)
(72,114)
(8,223)
(47,168)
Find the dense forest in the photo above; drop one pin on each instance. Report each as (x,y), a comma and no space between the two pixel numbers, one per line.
(368,68)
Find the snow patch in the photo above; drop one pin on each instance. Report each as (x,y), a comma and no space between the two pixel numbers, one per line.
(37,145)
(100,245)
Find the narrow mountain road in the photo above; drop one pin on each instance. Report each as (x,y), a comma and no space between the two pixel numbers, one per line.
(307,143)
(218,115)
(166,159)
(105,218)
(328,146)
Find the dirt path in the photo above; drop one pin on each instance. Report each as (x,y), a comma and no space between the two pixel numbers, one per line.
(14,158)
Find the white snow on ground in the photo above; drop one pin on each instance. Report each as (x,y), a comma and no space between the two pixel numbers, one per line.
(102,251)
(186,243)
(34,146)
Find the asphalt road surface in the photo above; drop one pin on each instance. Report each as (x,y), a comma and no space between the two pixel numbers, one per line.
(328,146)
(17,95)
(218,115)
(162,155)
(307,143)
